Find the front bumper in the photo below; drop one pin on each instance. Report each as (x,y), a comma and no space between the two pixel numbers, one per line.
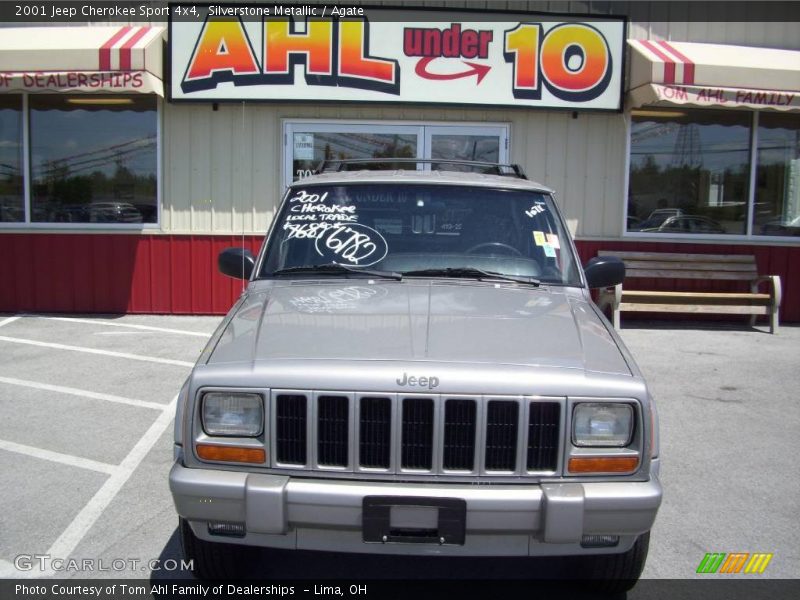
(547,519)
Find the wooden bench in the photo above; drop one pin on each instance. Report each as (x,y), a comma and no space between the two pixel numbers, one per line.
(707,267)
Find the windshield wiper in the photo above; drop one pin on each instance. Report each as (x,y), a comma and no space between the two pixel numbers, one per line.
(479,274)
(336,268)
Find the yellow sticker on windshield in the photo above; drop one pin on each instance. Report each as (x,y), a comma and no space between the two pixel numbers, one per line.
(538,237)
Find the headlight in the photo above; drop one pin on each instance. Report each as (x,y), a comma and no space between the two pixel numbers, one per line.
(602,424)
(233,414)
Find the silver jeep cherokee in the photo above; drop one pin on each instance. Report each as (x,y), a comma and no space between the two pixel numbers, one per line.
(417,367)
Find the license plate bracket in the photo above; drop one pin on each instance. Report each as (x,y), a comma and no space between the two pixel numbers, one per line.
(377,520)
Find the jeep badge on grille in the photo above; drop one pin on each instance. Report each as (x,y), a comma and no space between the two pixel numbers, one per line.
(410,380)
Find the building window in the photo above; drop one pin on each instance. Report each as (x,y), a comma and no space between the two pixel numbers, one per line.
(93,159)
(310,149)
(777,190)
(485,148)
(12,193)
(689,171)
(308,143)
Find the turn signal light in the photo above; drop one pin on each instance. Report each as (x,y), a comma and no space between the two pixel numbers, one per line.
(231,454)
(603,464)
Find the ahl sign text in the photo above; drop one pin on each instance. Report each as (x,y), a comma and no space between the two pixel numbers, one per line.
(451,58)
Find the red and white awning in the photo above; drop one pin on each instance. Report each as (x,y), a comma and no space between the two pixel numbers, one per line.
(713,75)
(82,59)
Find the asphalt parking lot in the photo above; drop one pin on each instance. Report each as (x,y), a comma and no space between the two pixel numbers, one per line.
(86,435)
(86,446)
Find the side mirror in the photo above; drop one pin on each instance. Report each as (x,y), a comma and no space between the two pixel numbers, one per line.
(236,262)
(604,271)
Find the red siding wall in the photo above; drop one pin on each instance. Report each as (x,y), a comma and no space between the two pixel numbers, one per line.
(116,273)
(177,274)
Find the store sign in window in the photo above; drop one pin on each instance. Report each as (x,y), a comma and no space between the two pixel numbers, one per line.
(263,52)
(304,146)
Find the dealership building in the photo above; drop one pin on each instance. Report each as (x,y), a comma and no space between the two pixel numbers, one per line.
(132,153)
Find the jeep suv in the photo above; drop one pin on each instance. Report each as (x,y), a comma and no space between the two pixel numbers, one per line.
(417,367)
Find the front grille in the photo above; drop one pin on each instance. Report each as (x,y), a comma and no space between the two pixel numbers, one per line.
(333,415)
(543,423)
(502,425)
(419,435)
(459,435)
(290,429)
(417,442)
(375,433)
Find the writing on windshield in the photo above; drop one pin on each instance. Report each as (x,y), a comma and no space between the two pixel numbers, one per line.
(405,228)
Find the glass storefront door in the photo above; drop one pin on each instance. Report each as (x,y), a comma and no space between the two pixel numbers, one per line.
(466,143)
(308,143)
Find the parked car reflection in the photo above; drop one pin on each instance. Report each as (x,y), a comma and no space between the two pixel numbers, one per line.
(687,224)
(73,213)
(113,212)
(656,219)
(11,210)
(782,227)
(634,223)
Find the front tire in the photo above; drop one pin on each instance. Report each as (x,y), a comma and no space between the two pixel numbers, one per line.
(213,560)
(617,573)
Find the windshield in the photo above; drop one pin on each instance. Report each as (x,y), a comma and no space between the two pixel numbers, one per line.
(420,230)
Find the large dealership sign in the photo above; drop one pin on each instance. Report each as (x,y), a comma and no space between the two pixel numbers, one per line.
(285,53)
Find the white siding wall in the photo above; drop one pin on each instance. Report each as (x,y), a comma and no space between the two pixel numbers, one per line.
(223,168)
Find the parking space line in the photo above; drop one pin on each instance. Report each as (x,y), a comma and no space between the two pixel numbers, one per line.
(60,389)
(162,361)
(64,459)
(9,320)
(83,521)
(120,333)
(128,325)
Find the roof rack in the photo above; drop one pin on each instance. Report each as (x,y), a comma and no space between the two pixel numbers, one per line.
(378,164)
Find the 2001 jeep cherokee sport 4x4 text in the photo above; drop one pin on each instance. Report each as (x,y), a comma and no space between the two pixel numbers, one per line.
(416,367)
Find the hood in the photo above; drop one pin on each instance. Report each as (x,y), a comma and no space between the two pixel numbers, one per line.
(419,320)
